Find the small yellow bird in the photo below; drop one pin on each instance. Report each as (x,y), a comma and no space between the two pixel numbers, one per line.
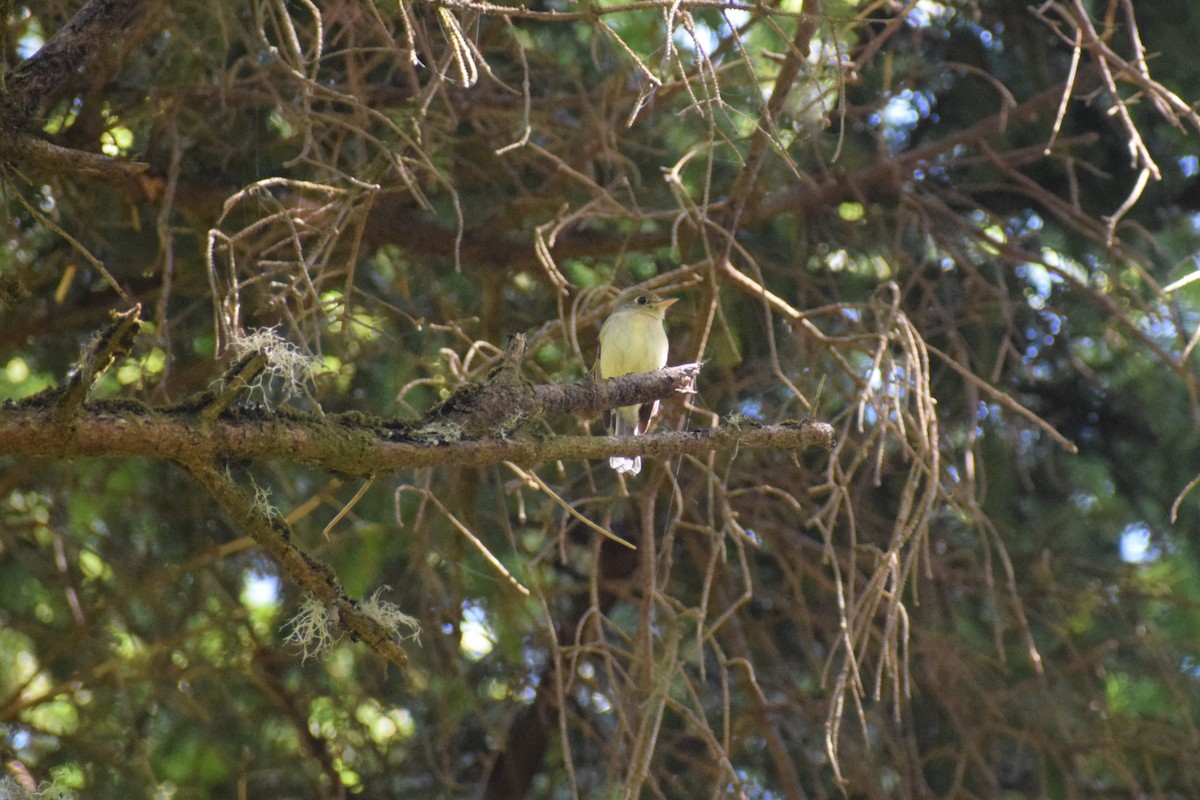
(633,340)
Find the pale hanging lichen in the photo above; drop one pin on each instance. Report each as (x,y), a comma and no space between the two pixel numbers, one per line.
(293,368)
(315,628)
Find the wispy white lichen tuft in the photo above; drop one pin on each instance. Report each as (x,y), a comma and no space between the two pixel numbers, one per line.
(313,629)
(285,361)
(390,616)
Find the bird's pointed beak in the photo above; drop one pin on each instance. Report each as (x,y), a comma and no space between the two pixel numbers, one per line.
(666,303)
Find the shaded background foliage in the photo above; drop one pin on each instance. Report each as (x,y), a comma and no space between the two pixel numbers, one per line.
(873,218)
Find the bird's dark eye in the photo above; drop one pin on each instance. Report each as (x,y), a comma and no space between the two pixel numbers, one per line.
(641,301)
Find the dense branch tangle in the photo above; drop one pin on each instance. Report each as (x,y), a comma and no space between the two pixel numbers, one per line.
(438,138)
(207,430)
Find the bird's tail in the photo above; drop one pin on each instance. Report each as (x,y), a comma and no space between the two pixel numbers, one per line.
(625,423)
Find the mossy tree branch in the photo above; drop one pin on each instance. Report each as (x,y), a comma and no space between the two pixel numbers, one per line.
(355,444)
(274,535)
(44,75)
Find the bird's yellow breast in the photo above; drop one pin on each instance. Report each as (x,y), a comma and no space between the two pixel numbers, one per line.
(632,341)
